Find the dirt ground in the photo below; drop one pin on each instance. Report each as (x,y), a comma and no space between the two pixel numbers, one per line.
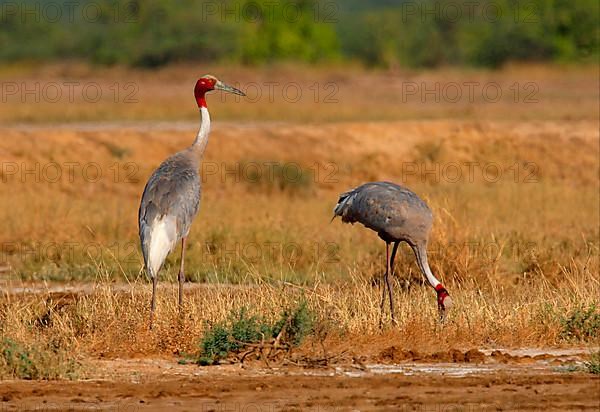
(488,381)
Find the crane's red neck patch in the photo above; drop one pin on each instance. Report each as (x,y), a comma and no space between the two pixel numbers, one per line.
(203,85)
(200,100)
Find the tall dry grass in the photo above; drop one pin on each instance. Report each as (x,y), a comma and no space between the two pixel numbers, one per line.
(113,321)
(519,253)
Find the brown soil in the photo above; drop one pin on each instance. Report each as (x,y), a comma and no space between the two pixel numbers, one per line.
(394,354)
(161,384)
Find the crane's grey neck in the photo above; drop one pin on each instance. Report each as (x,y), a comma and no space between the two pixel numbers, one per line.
(202,138)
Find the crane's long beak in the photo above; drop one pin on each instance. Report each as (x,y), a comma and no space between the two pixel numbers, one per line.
(226,88)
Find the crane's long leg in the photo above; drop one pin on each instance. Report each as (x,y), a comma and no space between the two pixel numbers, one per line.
(153,301)
(389,269)
(383,287)
(181,273)
(389,284)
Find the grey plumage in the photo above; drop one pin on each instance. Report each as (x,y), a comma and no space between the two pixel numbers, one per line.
(173,190)
(393,211)
(397,215)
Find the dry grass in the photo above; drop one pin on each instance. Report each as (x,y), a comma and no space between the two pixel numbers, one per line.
(69,93)
(519,253)
(504,230)
(113,322)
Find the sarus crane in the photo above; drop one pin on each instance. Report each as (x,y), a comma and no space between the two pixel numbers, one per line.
(171,198)
(397,215)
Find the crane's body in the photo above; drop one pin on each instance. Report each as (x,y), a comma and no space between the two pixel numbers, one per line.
(392,211)
(397,215)
(169,204)
(171,198)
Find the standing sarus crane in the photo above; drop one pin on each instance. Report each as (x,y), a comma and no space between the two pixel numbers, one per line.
(397,215)
(171,198)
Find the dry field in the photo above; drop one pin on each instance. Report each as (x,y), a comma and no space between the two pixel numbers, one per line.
(514,188)
(283,93)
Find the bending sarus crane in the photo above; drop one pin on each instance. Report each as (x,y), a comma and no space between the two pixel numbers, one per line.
(171,198)
(397,215)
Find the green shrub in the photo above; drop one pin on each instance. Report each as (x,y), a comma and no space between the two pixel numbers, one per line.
(215,345)
(581,324)
(274,176)
(248,329)
(42,361)
(242,330)
(299,323)
(593,365)
(232,336)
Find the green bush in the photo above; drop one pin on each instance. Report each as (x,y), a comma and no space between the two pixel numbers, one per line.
(296,324)
(21,361)
(278,176)
(593,365)
(247,329)
(231,336)
(581,324)
(242,330)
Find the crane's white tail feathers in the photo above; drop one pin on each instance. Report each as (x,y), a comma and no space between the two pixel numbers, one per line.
(163,238)
(344,204)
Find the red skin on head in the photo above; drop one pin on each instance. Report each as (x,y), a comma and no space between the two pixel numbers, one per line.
(203,85)
(442,294)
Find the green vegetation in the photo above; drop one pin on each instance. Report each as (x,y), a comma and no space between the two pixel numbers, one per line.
(581,324)
(376,32)
(156,32)
(273,176)
(253,334)
(30,361)
(568,368)
(432,33)
(593,365)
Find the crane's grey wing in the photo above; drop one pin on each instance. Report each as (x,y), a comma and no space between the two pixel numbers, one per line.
(393,211)
(169,204)
(353,204)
